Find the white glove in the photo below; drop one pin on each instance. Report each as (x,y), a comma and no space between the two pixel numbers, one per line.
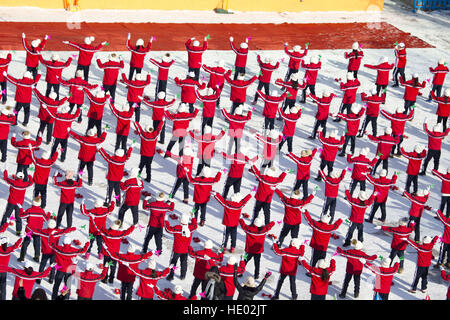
(147,198)
(104,42)
(151,39)
(53,265)
(46,37)
(206,258)
(23,35)
(363,261)
(192,38)
(285,44)
(150,285)
(205,39)
(378,227)
(231,39)
(129,36)
(5,73)
(65,42)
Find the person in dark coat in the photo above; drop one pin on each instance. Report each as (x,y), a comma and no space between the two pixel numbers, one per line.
(215,287)
(248,290)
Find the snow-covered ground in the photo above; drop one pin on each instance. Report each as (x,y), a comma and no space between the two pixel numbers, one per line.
(334,66)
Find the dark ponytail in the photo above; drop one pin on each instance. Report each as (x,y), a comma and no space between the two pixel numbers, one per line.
(295,85)
(325,275)
(356,53)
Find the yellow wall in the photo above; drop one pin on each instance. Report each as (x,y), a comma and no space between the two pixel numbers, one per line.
(238,5)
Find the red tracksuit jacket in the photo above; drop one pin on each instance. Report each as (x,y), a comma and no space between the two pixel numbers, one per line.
(96,106)
(63,122)
(350,88)
(435,138)
(400,234)
(124,273)
(323,105)
(138,54)
(5,122)
(181,122)
(159,107)
(203,186)
(384,277)
(232,210)
(65,253)
(182,163)
(239,88)
(383,70)
(292,208)
(148,139)
(111,69)
(226,273)
(266,185)
(414,160)
(180,242)
(241,55)
(321,232)
(135,88)
(158,211)
(424,251)
(411,91)
(354,61)
(400,58)
(318,286)
(24,88)
(330,147)
(208,103)
(332,184)
(312,70)
(42,168)
(195,54)
(381,186)
(88,145)
(24,154)
(445,178)
(354,265)
(148,277)
(353,121)
(113,238)
(54,69)
(237,123)
(239,160)
(4,63)
(216,77)
(266,70)
(289,258)
(361,166)
(33,54)
(439,74)
(446,222)
(28,280)
(270,146)
(35,216)
(303,164)
(87,282)
(97,217)
(295,58)
(163,68)
(291,92)
(76,89)
(123,119)
(188,88)
(358,207)
(17,188)
(45,235)
(443,109)
(115,164)
(417,204)
(385,143)
(373,103)
(132,188)
(5,255)
(47,103)
(271,104)
(86,52)
(446,277)
(255,237)
(68,190)
(206,143)
(202,265)
(398,121)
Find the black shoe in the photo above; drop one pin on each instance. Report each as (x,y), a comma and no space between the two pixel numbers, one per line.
(148,180)
(38,281)
(356,294)
(342,295)
(394,85)
(341,154)
(170,277)
(294,297)
(111,280)
(24,124)
(90,183)
(368,220)
(21,259)
(422,173)
(256,277)
(50,280)
(311,137)
(182,277)
(104,280)
(346,244)
(36,259)
(318,178)
(337,120)
(303,101)
(275,297)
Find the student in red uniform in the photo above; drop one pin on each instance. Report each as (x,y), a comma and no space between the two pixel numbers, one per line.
(209,103)
(5,254)
(323,107)
(76,92)
(398,121)
(385,145)
(267,182)
(241,56)
(169,294)
(266,69)
(186,160)
(182,234)
(361,167)
(163,65)
(295,58)
(383,68)
(7,118)
(148,277)
(138,53)
(238,91)
(354,59)
(415,158)
(203,183)
(5,60)
(17,189)
(116,165)
(204,259)
(216,76)
(97,221)
(359,206)
(227,272)
(445,277)
(382,185)
(445,190)
(26,279)
(255,235)
(320,277)
(148,137)
(292,218)
(418,201)
(312,67)
(289,265)
(356,258)
(97,102)
(384,275)
(23,159)
(400,63)
(42,167)
(435,139)
(443,109)
(353,118)
(86,52)
(23,93)
(424,256)
(181,120)
(270,140)
(206,146)
(66,202)
(88,150)
(35,217)
(332,181)
(188,89)
(111,70)
(303,168)
(373,102)
(272,103)
(291,86)
(398,243)
(159,108)
(320,238)
(195,52)
(135,92)
(54,69)
(233,207)
(237,122)
(412,89)
(132,188)
(158,207)
(439,74)
(65,255)
(444,249)
(87,281)
(350,89)
(33,53)
(331,144)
